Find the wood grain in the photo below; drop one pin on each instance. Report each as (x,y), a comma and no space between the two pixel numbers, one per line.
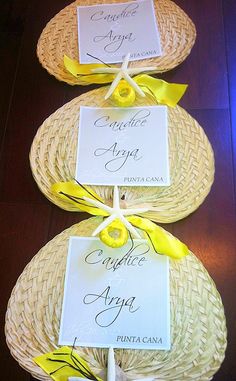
(24,229)
(28,95)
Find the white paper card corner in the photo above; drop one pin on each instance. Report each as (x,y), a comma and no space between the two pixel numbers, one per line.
(110,31)
(104,304)
(123,146)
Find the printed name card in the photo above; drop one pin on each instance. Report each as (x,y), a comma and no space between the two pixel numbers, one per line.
(110,31)
(123,146)
(104,304)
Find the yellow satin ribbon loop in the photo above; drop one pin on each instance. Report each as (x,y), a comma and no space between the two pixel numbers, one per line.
(84,71)
(162,241)
(115,235)
(53,364)
(165,93)
(73,193)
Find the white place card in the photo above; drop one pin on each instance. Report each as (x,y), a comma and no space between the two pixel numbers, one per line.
(115,297)
(123,146)
(110,31)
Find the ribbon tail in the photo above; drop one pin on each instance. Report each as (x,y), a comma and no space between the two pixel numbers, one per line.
(162,241)
(84,73)
(63,363)
(73,193)
(75,68)
(165,93)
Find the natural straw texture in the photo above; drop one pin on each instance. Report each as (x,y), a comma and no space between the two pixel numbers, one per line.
(59,37)
(198,331)
(53,159)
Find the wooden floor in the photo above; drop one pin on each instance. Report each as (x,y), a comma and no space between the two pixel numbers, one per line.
(28,95)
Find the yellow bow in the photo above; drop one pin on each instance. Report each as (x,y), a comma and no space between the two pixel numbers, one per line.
(163,92)
(63,363)
(115,234)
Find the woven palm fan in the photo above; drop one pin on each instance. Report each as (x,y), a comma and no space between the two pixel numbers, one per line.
(198,331)
(59,37)
(53,159)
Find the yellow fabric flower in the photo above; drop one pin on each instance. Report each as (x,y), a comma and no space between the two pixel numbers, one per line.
(115,235)
(123,95)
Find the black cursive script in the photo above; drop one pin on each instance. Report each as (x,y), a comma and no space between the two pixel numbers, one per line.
(129,11)
(114,304)
(134,257)
(139,119)
(120,156)
(114,41)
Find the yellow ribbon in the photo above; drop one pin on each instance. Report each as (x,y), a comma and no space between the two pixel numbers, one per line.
(84,71)
(63,363)
(163,92)
(73,193)
(163,242)
(116,235)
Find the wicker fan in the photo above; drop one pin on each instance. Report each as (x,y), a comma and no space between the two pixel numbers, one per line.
(53,158)
(59,37)
(198,332)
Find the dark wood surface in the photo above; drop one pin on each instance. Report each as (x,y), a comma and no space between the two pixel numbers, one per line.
(28,95)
